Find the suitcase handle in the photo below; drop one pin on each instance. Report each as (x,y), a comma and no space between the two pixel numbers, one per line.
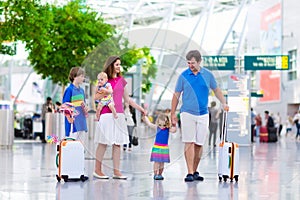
(69,139)
(224,126)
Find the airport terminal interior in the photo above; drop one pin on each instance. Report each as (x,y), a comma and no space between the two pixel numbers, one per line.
(267,171)
(232,29)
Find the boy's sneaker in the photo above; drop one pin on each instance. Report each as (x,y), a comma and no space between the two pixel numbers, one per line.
(198,177)
(189,178)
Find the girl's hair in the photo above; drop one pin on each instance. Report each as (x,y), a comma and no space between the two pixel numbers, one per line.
(165,118)
(74,72)
(109,66)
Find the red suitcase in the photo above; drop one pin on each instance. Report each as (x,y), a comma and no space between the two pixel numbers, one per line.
(263,134)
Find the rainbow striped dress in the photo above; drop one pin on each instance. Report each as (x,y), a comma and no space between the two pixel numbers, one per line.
(160,150)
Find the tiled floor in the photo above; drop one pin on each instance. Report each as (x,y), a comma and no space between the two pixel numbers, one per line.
(267,171)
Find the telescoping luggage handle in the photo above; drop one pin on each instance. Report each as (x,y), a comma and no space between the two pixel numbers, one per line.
(224,126)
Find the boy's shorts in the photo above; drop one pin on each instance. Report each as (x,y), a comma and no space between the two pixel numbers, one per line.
(194,128)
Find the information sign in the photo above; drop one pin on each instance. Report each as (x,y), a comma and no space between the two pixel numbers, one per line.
(264,62)
(219,62)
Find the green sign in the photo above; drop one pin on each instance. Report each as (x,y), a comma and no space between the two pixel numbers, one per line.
(218,62)
(255,94)
(280,62)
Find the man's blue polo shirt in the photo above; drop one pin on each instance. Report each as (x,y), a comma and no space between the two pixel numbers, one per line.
(195,90)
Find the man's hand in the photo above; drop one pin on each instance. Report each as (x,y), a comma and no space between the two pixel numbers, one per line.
(173,129)
(225,107)
(173,119)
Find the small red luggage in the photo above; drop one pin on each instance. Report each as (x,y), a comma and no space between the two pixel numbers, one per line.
(263,134)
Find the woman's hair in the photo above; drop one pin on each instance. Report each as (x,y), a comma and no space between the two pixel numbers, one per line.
(74,72)
(165,118)
(109,66)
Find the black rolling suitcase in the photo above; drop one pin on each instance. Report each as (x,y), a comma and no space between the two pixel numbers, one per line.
(272,134)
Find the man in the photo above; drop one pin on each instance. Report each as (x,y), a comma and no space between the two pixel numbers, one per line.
(213,122)
(252,124)
(194,83)
(278,124)
(272,131)
(297,123)
(48,106)
(269,120)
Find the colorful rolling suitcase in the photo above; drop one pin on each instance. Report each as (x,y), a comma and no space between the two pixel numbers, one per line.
(70,160)
(70,156)
(228,167)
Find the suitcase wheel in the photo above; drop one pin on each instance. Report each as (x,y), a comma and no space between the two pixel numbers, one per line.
(83,178)
(225,178)
(65,177)
(220,178)
(236,178)
(58,178)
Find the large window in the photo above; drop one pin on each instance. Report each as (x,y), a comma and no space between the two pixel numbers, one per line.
(292,73)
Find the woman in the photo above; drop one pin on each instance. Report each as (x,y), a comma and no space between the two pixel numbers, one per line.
(258,123)
(112,131)
(213,124)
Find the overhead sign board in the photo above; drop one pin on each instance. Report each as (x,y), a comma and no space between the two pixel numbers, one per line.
(219,62)
(267,62)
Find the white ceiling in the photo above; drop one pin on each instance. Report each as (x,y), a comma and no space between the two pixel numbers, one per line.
(129,13)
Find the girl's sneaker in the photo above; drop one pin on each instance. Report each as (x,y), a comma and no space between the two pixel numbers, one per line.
(158,177)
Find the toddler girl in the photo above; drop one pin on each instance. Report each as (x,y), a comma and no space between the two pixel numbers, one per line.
(160,150)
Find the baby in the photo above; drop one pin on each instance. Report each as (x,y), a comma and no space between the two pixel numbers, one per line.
(104,86)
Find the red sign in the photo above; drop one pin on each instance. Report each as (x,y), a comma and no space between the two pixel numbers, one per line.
(270,84)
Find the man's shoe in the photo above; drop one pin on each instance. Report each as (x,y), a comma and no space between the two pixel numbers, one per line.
(189,178)
(198,177)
